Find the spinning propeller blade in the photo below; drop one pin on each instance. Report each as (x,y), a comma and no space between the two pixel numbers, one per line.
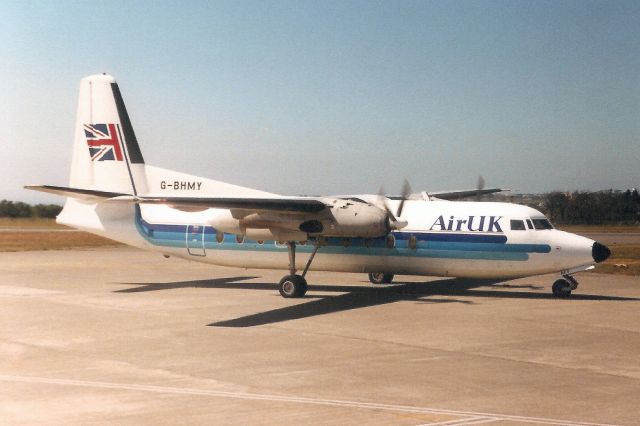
(406,191)
(394,223)
(479,187)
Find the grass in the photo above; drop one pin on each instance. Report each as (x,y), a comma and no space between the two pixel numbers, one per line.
(44,234)
(29,223)
(50,240)
(622,254)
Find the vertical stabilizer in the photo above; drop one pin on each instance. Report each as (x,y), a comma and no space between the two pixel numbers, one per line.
(106,154)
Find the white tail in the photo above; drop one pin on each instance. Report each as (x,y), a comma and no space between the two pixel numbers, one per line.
(108,173)
(106,155)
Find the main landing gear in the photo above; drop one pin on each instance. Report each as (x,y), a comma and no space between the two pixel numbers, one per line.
(294,285)
(564,286)
(380,278)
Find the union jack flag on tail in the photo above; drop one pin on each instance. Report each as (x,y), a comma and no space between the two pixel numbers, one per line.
(103,142)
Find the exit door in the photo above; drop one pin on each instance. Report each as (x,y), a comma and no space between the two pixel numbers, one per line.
(195,240)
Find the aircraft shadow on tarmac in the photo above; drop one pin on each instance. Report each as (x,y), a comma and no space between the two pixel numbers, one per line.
(358,296)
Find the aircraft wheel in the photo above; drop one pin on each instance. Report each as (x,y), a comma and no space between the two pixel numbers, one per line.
(293,286)
(561,288)
(380,278)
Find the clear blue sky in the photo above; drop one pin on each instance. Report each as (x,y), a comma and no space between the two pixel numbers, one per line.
(334,97)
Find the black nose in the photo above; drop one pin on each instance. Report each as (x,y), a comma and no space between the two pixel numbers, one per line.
(600,252)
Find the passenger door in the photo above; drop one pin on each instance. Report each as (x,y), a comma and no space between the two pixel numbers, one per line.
(195,240)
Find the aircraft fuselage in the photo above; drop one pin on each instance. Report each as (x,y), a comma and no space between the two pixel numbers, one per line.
(442,238)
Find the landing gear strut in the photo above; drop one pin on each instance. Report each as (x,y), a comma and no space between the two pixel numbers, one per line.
(380,278)
(294,285)
(564,286)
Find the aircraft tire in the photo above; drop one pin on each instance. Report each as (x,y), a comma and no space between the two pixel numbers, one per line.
(380,278)
(561,288)
(292,286)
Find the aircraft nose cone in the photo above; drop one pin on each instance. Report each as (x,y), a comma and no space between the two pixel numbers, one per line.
(600,252)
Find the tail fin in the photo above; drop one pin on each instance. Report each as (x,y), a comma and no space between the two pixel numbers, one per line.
(106,154)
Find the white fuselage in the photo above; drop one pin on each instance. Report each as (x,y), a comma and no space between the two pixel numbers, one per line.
(442,238)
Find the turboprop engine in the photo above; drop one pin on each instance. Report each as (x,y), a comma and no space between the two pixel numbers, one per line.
(341,218)
(347,218)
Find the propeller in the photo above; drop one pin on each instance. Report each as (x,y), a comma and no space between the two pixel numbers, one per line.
(394,223)
(406,191)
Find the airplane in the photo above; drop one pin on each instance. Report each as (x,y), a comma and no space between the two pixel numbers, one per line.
(113,193)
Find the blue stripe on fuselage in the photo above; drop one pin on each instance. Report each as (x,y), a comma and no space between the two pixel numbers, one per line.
(441,245)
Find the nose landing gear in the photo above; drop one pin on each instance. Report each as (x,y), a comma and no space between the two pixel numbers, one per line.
(564,286)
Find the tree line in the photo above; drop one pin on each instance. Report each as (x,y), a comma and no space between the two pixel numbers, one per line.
(568,208)
(592,208)
(18,209)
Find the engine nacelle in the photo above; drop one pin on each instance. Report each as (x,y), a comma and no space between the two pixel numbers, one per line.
(258,226)
(349,219)
(344,218)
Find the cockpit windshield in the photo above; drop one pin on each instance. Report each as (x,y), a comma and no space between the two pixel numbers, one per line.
(540,224)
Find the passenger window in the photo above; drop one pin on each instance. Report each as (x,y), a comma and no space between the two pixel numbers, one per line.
(517,225)
(413,242)
(541,224)
(529,224)
(391,241)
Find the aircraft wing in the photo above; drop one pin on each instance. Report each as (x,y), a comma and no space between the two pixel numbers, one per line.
(302,205)
(456,195)
(291,204)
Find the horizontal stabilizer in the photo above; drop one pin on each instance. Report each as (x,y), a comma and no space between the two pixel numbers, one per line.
(82,194)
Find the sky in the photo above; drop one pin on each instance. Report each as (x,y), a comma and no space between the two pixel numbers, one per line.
(323,97)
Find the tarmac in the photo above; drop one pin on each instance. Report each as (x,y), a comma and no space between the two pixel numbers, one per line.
(121,336)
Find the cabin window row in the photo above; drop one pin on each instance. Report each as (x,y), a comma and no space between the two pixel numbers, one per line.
(390,241)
